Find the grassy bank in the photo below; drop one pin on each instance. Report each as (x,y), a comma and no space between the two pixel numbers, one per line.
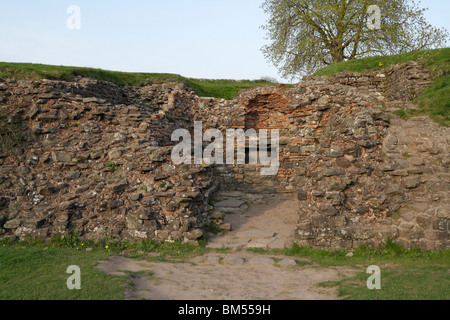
(226,89)
(435,101)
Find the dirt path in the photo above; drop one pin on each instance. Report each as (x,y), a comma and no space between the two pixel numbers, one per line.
(258,222)
(263,221)
(237,276)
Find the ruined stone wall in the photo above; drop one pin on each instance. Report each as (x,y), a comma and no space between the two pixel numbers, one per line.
(91,166)
(332,132)
(95,157)
(402,82)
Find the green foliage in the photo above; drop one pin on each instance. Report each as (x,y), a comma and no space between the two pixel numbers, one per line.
(305,35)
(212,228)
(115,167)
(111,165)
(226,89)
(406,155)
(437,60)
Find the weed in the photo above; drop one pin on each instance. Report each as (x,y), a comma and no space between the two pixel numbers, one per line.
(406,155)
(212,228)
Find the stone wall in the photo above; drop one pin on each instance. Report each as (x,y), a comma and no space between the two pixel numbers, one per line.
(95,167)
(95,157)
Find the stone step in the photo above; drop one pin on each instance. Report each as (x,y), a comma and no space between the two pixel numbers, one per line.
(254,234)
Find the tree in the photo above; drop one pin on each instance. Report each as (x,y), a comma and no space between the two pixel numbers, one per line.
(308,34)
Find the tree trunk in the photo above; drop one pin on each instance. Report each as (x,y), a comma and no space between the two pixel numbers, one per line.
(337,54)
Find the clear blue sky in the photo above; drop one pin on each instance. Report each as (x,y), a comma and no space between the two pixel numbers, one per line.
(218,39)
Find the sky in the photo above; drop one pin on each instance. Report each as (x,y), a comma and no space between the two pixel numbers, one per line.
(213,39)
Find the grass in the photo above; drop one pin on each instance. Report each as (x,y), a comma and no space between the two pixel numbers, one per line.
(35,269)
(430,282)
(225,89)
(405,274)
(435,101)
(33,273)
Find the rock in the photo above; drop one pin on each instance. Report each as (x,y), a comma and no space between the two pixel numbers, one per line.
(254,233)
(230,203)
(328,210)
(12,224)
(335,154)
(234,260)
(144,214)
(114,154)
(47,190)
(61,157)
(302,195)
(287,262)
(120,137)
(400,173)
(331,172)
(417,161)
(261,261)
(23,170)
(225,227)
(67,205)
(194,235)
(33,112)
(162,235)
(336,186)
(136,197)
(118,187)
(217,215)
(91,100)
(72,175)
(411,182)
(116,204)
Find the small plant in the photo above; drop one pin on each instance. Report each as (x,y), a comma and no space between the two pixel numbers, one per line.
(68,125)
(170,118)
(162,185)
(406,155)
(213,201)
(212,228)
(144,188)
(113,166)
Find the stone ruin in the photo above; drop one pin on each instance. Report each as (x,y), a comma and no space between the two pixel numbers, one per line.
(96,158)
